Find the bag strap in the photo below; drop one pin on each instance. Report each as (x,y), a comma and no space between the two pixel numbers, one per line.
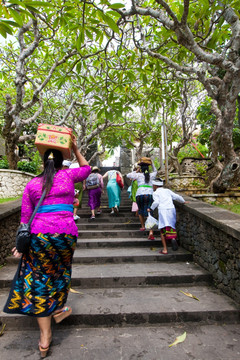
(36,208)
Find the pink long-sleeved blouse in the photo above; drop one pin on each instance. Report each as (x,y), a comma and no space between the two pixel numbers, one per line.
(62,192)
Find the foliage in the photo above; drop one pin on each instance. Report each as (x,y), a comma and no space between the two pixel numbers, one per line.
(201,169)
(2,201)
(207,120)
(4,163)
(27,166)
(234,208)
(190,151)
(32,166)
(197,184)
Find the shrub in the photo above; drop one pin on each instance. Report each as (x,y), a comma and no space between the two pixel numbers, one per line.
(201,169)
(26,166)
(4,163)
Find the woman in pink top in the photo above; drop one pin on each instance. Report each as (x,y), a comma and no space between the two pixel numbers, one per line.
(42,282)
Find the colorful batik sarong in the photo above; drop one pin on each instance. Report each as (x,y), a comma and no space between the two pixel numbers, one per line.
(43,277)
(169,233)
(144,202)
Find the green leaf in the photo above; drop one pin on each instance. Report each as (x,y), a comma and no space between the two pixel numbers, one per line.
(3,32)
(39,3)
(114,13)
(55,23)
(80,40)
(16,2)
(16,16)
(89,34)
(10,22)
(117,6)
(30,8)
(179,339)
(29,14)
(5,27)
(111,23)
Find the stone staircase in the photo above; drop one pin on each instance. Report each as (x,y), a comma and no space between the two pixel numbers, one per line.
(120,279)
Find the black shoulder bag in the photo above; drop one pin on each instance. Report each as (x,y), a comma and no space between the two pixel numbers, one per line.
(23,236)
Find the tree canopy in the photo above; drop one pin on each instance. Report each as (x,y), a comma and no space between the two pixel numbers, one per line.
(92,64)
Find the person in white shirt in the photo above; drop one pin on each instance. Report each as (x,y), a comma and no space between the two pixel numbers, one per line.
(144,192)
(163,199)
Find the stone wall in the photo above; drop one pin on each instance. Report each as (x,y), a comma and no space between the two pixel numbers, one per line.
(190,165)
(186,182)
(9,222)
(13,182)
(125,160)
(213,235)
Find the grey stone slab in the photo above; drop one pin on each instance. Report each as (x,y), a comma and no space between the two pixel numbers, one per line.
(118,242)
(102,255)
(128,343)
(120,255)
(94,225)
(110,233)
(136,306)
(118,275)
(100,219)
(10,208)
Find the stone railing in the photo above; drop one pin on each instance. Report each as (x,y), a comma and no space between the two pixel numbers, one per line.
(9,222)
(213,236)
(13,182)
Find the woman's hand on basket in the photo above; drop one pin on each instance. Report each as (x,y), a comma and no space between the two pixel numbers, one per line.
(74,143)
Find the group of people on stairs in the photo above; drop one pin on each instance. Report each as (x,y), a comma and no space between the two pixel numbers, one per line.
(42,282)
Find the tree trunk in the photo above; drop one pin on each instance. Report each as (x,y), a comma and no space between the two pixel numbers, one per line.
(10,148)
(10,135)
(222,144)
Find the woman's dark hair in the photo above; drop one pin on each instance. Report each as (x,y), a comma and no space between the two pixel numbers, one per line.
(145,171)
(50,167)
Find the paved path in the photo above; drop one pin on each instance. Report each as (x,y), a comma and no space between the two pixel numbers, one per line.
(203,342)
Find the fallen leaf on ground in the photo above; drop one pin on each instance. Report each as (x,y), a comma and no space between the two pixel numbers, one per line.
(153,249)
(179,339)
(75,291)
(2,331)
(190,295)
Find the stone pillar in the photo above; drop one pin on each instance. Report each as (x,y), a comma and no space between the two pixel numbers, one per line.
(91,151)
(125,161)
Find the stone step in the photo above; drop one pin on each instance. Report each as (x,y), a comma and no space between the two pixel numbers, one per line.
(118,255)
(132,255)
(105,202)
(126,275)
(113,233)
(93,225)
(106,218)
(85,214)
(138,306)
(105,210)
(119,242)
